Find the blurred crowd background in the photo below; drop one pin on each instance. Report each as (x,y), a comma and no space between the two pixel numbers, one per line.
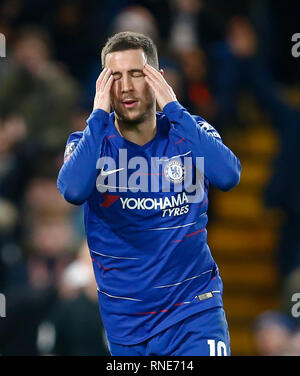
(229,62)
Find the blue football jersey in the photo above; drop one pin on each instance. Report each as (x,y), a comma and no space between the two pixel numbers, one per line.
(145,213)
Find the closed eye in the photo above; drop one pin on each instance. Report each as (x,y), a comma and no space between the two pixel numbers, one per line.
(116,76)
(132,73)
(137,73)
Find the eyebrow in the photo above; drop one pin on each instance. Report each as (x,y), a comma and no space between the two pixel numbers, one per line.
(130,71)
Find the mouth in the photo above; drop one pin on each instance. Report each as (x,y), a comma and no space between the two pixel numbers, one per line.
(129,103)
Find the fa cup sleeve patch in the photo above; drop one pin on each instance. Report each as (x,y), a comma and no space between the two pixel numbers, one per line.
(69,150)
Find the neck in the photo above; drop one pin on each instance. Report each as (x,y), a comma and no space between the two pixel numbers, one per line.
(141,132)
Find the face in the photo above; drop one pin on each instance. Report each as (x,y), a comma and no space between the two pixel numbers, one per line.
(131,97)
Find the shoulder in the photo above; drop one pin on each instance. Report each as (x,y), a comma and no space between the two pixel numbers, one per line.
(73,139)
(203,125)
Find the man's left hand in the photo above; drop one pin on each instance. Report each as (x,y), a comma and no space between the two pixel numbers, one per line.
(163,92)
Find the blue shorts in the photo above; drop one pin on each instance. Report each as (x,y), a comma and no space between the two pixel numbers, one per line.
(202,334)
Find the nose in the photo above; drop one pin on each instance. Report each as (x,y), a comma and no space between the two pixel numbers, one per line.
(126,84)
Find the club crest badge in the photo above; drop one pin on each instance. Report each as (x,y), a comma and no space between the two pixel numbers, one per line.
(174,171)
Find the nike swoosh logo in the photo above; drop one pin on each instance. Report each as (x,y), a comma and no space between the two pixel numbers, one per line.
(106,173)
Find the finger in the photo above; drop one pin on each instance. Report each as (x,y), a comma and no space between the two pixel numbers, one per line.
(154,75)
(147,70)
(150,79)
(108,84)
(152,70)
(104,70)
(105,78)
(150,76)
(151,83)
(100,77)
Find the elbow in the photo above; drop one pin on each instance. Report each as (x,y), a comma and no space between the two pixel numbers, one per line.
(231,183)
(73,198)
(232,177)
(70,194)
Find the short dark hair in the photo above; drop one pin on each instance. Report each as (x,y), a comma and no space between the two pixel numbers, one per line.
(128,40)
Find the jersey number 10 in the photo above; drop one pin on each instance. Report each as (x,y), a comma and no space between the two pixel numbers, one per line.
(218,348)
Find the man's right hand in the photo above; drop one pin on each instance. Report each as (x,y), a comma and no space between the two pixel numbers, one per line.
(103,86)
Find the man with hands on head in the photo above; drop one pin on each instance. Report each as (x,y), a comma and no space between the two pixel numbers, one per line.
(159,288)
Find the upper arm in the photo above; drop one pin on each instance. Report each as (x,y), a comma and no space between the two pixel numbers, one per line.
(221,166)
(208,128)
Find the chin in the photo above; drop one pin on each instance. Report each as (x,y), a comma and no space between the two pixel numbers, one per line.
(132,118)
(136,116)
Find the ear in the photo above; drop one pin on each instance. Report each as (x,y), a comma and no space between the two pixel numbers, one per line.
(161,71)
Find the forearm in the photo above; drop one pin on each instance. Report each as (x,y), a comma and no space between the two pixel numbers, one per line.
(221,166)
(77,177)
